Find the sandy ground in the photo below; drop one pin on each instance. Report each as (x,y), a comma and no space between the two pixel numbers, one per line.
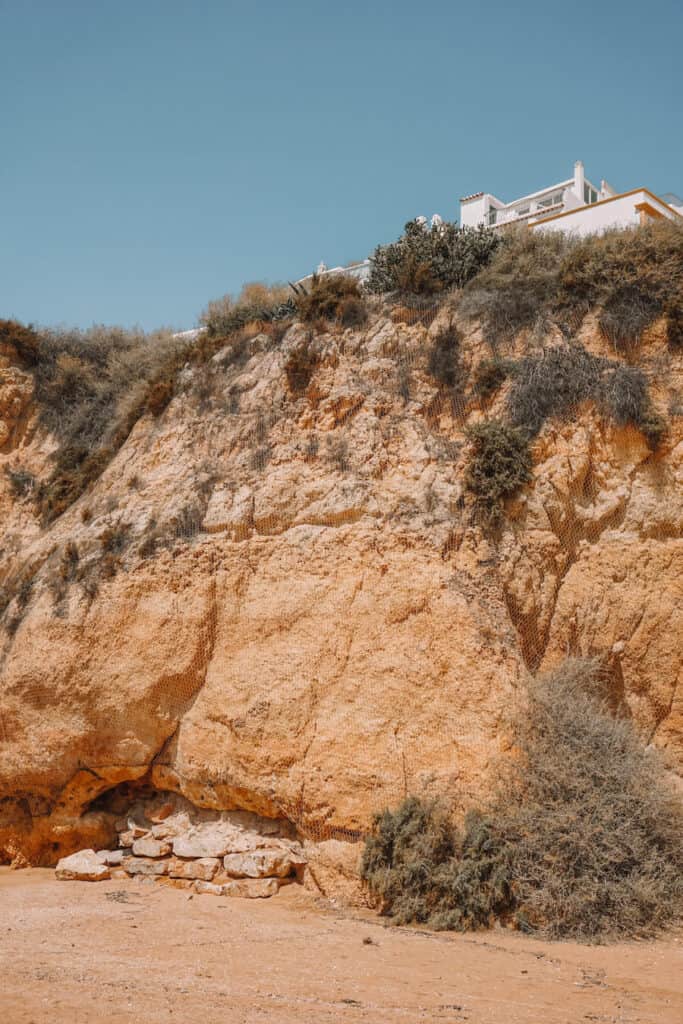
(124,951)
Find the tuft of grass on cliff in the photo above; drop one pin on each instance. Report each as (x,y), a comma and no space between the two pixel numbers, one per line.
(91,387)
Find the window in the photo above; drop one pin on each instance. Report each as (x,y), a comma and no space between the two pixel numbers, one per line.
(551,200)
(492,217)
(522,210)
(589,194)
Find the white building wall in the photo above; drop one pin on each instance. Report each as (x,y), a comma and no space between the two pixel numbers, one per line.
(620,212)
(473,211)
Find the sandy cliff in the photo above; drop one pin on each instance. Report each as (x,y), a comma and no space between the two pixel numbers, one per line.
(298,615)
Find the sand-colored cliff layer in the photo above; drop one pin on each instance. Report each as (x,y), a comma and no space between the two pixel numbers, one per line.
(301,618)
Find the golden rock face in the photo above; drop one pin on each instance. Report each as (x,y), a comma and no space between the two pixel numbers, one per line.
(303,620)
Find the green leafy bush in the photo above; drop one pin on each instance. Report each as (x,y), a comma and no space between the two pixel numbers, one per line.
(499,464)
(427,260)
(582,838)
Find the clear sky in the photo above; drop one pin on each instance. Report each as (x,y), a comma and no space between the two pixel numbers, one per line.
(155,154)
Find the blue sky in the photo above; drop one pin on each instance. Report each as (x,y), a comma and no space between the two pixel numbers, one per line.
(158,154)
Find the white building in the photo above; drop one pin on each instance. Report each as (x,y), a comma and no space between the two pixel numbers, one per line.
(575,206)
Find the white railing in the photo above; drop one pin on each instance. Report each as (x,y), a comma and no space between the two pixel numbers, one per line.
(501,218)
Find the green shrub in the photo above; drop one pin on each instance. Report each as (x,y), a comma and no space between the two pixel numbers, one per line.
(499,464)
(427,260)
(582,837)
(329,298)
(425,871)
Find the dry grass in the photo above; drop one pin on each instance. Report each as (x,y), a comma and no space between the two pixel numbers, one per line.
(257,302)
(631,277)
(332,297)
(91,387)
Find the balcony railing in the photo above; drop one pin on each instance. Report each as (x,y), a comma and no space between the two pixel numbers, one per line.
(499,218)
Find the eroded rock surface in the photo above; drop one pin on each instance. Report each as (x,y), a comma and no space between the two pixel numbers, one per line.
(305,623)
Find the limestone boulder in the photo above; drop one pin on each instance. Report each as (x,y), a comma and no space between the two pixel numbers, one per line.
(84,866)
(203,869)
(252,888)
(112,858)
(144,866)
(245,888)
(266,863)
(151,847)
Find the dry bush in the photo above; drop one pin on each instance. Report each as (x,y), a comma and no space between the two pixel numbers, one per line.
(16,591)
(259,293)
(91,387)
(631,276)
(626,313)
(498,465)
(352,312)
(674,323)
(338,453)
(329,296)
(556,382)
(634,276)
(257,301)
(490,375)
(582,838)
(260,457)
(516,289)
(21,481)
(25,341)
(443,360)
(300,365)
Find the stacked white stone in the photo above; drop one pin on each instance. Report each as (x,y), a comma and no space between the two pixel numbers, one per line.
(229,853)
